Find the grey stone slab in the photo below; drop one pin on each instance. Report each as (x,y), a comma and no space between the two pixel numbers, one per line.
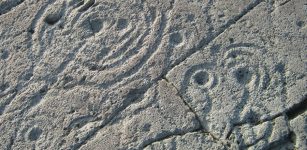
(250,73)
(153,74)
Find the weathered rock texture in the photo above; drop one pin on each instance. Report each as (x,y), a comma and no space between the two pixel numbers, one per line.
(153,74)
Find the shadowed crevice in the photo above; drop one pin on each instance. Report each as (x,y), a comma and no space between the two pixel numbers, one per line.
(297,109)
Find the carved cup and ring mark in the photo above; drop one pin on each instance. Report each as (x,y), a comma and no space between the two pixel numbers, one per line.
(236,84)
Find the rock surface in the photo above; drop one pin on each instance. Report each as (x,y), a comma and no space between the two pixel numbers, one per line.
(153,74)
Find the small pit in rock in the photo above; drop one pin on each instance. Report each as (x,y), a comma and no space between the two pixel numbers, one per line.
(201,78)
(300,23)
(34,134)
(175,38)
(243,75)
(231,40)
(121,24)
(4,54)
(52,19)
(96,25)
(146,127)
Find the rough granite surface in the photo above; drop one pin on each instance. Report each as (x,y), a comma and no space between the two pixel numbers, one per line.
(153,74)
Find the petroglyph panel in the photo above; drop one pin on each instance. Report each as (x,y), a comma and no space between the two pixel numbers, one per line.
(154,74)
